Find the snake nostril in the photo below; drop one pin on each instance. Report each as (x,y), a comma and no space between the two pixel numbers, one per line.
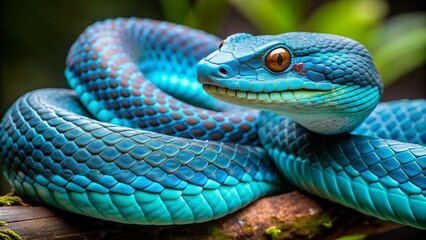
(223,71)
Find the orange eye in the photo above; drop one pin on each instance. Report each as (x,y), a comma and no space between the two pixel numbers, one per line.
(221,43)
(278,60)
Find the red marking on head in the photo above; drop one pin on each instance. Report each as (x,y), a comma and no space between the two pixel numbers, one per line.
(298,67)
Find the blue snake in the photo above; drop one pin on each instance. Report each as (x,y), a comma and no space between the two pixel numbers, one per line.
(119,147)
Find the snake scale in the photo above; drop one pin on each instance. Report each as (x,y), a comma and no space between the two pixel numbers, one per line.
(119,147)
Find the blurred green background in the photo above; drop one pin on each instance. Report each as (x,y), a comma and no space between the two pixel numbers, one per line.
(36,35)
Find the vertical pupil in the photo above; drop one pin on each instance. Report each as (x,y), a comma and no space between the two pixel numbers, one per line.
(280,59)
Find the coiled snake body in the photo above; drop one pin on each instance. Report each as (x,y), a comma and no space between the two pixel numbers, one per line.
(200,160)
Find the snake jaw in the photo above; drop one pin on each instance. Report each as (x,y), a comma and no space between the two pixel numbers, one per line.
(334,111)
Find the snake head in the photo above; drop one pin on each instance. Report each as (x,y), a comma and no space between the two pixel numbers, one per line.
(326,83)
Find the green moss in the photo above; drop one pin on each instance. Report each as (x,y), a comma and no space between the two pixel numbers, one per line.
(219,235)
(307,227)
(276,233)
(8,234)
(247,230)
(9,199)
(314,225)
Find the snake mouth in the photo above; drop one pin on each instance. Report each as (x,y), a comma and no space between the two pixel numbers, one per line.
(296,96)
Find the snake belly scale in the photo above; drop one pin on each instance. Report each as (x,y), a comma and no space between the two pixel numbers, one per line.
(119,147)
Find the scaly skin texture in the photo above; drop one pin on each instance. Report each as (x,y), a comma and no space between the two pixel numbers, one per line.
(70,161)
(329,85)
(55,151)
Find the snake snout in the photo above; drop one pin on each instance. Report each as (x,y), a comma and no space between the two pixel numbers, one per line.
(209,73)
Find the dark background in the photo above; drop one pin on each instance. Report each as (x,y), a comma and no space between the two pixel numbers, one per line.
(36,36)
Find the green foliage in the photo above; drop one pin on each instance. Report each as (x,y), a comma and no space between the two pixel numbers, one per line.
(400,45)
(272,16)
(203,14)
(357,19)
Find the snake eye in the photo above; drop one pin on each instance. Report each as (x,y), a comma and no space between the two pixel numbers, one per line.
(221,43)
(278,60)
